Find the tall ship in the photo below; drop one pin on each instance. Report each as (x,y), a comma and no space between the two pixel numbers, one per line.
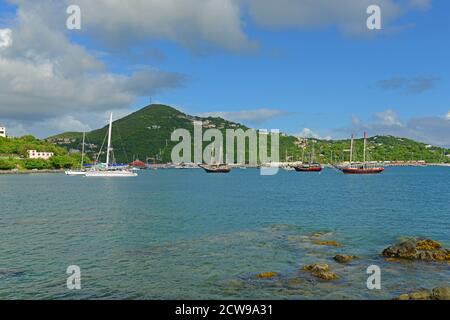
(311,166)
(361,168)
(216,167)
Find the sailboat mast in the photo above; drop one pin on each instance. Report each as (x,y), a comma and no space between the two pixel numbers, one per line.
(365,146)
(109,141)
(351,150)
(82,151)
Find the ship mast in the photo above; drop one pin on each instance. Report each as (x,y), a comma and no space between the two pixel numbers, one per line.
(82,151)
(109,141)
(351,150)
(365,146)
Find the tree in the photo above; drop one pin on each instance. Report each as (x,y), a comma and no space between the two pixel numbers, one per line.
(38,164)
(62,162)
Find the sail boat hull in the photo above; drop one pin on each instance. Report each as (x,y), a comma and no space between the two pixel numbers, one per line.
(75,173)
(317,168)
(216,169)
(362,170)
(110,173)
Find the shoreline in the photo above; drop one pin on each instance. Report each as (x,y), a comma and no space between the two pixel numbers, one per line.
(4,172)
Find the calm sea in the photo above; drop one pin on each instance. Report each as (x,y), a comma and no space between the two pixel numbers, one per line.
(185,234)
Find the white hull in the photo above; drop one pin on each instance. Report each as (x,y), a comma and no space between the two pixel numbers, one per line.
(111,173)
(75,173)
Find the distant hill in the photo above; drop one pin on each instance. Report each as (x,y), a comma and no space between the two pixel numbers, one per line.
(145,134)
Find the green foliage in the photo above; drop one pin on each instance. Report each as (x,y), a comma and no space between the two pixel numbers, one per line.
(146,134)
(38,164)
(15,150)
(63,162)
(7,164)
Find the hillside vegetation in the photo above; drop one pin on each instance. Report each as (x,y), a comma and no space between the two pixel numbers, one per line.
(13,154)
(145,134)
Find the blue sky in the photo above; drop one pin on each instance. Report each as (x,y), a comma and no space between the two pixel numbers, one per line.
(322,75)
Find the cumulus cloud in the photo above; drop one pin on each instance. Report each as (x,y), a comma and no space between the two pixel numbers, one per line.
(5,38)
(308,133)
(197,25)
(433,130)
(413,85)
(44,75)
(254,116)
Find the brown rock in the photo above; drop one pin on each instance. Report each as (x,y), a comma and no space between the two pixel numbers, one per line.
(266,275)
(343,258)
(442,293)
(321,270)
(417,249)
(327,243)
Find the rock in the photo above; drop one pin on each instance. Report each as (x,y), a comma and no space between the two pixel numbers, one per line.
(417,249)
(327,243)
(294,282)
(442,293)
(427,244)
(266,275)
(321,270)
(343,258)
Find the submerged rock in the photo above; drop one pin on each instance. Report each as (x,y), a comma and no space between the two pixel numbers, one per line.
(343,258)
(327,243)
(266,275)
(441,293)
(417,249)
(321,270)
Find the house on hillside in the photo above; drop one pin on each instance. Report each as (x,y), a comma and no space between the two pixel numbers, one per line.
(2,131)
(33,154)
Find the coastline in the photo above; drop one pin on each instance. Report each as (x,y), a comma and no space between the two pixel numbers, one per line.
(3,172)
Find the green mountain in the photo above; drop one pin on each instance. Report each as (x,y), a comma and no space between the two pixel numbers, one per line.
(145,134)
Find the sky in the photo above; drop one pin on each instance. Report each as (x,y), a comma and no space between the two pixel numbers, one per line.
(308,68)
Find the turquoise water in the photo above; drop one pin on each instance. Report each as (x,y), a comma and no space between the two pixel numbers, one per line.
(185,234)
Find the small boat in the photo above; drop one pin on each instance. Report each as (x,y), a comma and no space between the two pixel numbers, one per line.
(310,167)
(364,168)
(110,170)
(215,168)
(80,172)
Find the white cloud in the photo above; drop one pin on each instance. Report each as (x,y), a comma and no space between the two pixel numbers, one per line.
(447,116)
(197,25)
(44,75)
(5,38)
(433,130)
(254,116)
(308,133)
(387,118)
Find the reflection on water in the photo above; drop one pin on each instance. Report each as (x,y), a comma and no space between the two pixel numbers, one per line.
(187,235)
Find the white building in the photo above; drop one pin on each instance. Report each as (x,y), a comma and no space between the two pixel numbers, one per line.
(2,131)
(33,154)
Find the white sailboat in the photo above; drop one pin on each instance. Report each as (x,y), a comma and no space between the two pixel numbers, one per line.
(80,172)
(109,171)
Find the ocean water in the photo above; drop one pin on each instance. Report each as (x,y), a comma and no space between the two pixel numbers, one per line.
(185,234)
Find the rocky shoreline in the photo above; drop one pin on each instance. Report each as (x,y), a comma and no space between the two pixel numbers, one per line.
(413,250)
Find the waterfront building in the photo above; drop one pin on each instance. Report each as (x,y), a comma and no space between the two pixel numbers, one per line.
(2,131)
(33,154)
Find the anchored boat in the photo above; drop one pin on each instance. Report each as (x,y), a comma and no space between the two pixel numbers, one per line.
(361,168)
(108,170)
